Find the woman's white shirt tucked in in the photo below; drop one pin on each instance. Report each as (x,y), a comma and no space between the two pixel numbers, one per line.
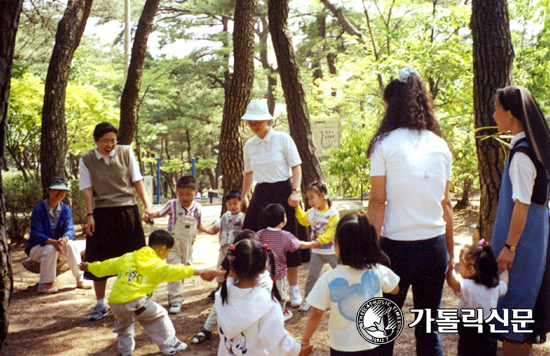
(271,158)
(417,166)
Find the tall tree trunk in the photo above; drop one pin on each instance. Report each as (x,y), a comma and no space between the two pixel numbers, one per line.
(53,144)
(9,22)
(238,96)
(493,58)
(135,73)
(298,114)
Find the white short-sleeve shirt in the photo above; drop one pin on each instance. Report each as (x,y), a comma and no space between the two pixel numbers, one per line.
(271,158)
(345,289)
(85,181)
(417,166)
(522,173)
(473,295)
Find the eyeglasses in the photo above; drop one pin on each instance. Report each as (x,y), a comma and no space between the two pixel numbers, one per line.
(107,142)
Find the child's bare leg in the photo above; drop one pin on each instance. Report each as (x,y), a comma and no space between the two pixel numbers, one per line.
(99,289)
(292,276)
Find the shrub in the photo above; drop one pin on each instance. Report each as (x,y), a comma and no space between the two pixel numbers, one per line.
(77,205)
(21,197)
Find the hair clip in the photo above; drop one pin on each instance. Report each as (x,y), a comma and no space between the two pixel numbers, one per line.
(266,247)
(404,74)
(481,242)
(232,247)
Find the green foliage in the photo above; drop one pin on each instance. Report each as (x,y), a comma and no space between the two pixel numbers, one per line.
(415,36)
(21,197)
(84,108)
(77,204)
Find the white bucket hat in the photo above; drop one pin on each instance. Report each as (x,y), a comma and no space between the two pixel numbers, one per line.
(257,110)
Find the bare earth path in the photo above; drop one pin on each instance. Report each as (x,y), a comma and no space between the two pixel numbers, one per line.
(57,324)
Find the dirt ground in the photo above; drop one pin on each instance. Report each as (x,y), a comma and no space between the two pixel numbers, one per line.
(57,324)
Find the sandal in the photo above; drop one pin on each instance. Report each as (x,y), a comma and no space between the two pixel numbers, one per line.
(203,336)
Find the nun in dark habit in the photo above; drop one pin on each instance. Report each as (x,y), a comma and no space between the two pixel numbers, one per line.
(520,234)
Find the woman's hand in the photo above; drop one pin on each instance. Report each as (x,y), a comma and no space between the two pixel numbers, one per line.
(244,204)
(294,199)
(505,259)
(90,226)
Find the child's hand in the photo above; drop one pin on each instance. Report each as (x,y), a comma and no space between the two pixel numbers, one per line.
(198,272)
(83,266)
(306,350)
(208,275)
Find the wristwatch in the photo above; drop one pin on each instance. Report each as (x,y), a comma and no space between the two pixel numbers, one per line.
(511,248)
(296,190)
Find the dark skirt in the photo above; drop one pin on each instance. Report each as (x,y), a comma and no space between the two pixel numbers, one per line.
(270,193)
(118,230)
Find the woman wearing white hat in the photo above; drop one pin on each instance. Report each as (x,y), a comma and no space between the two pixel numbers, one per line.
(271,159)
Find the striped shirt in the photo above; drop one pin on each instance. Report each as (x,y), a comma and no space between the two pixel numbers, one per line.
(171,208)
(280,242)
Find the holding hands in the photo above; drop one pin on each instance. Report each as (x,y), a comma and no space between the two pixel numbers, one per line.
(505,259)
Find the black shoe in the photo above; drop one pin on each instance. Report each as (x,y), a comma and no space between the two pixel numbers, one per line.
(203,336)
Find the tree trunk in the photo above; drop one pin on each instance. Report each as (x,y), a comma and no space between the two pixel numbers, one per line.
(298,114)
(53,144)
(493,58)
(135,73)
(9,22)
(238,96)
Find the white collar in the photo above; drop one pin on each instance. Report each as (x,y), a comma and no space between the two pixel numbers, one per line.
(99,155)
(50,210)
(517,137)
(273,229)
(257,140)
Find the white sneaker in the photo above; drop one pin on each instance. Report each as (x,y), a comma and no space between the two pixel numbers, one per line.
(295,298)
(287,314)
(304,306)
(174,308)
(178,346)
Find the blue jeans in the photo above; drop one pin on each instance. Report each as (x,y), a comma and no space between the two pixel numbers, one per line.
(421,264)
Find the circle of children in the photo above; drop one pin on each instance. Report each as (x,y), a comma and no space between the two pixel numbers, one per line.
(250,307)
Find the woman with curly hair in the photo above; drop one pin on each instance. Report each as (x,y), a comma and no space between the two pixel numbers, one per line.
(410,167)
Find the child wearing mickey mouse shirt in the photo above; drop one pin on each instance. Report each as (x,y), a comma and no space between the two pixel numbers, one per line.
(359,277)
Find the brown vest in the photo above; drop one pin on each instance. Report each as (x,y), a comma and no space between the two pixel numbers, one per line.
(112,184)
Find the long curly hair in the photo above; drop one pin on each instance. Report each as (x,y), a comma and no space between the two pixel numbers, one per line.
(409,105)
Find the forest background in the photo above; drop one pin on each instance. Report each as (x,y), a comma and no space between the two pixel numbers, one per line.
(346,52)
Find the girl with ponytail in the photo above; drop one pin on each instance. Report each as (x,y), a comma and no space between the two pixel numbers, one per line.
(250,320)
(477,287)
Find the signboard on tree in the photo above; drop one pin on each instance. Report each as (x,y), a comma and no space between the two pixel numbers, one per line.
(326,135)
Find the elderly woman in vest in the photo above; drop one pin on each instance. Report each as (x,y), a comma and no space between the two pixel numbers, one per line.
(108,175)
(520,233)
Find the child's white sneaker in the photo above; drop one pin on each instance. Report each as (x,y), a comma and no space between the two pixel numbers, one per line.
(174,308)
(287,314)
(295,298)
(304,306)
(178,346)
